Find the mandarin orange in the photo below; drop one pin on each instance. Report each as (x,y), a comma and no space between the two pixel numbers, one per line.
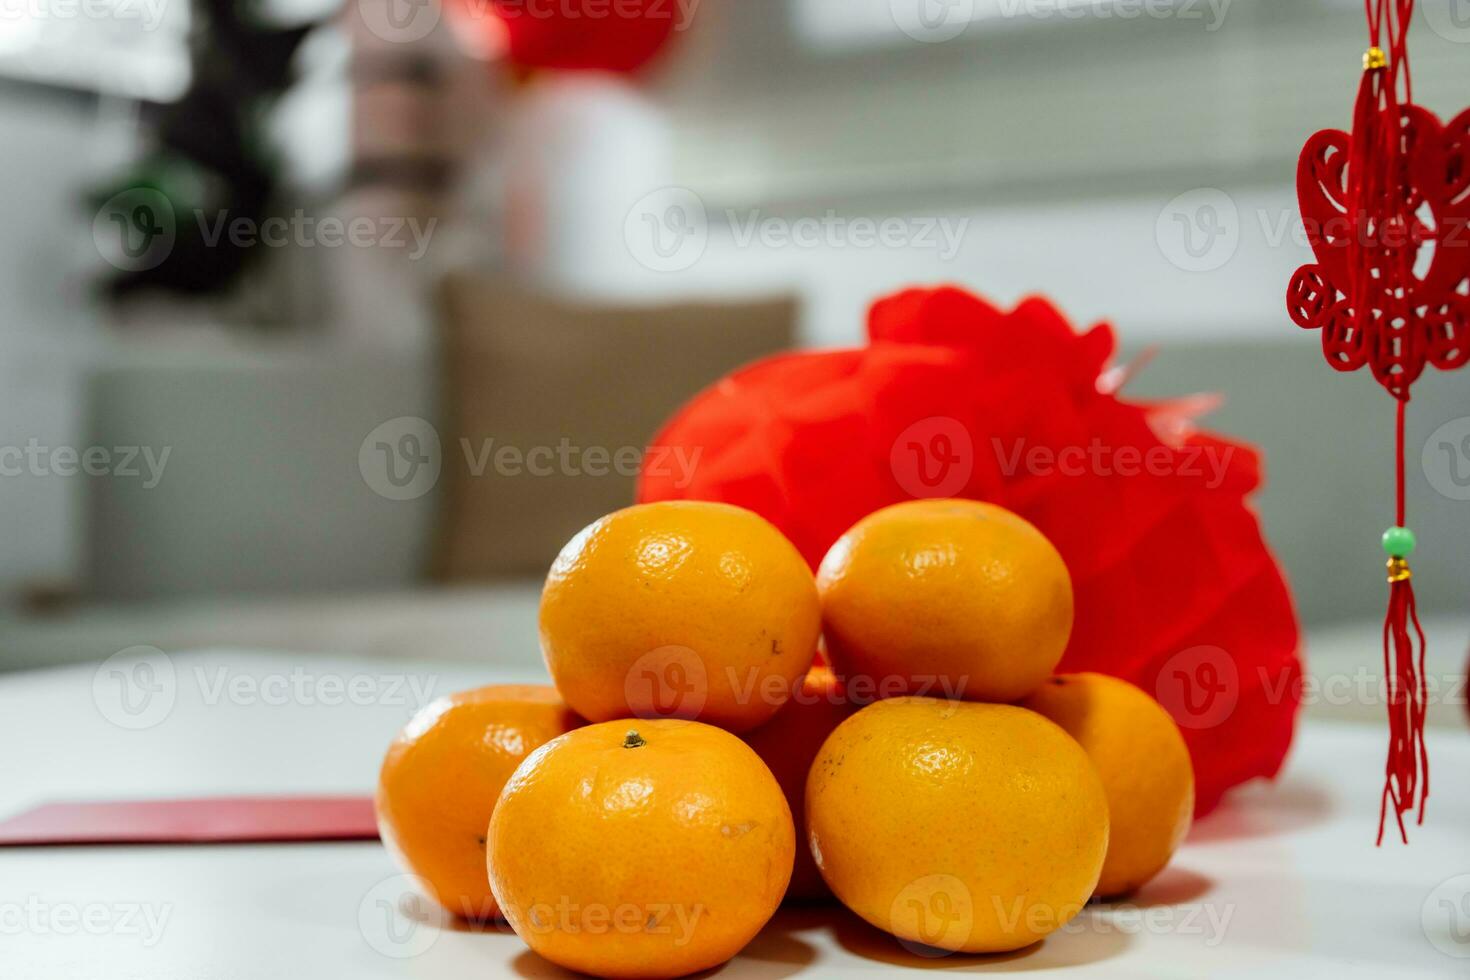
(648,848)
(1144,765)
(945,597)
(968,827)
(441,777)
(681,609)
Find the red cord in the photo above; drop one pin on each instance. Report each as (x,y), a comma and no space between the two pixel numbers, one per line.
(1382,205)
(1400,509)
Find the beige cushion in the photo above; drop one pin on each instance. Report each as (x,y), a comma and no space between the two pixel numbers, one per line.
(550,403)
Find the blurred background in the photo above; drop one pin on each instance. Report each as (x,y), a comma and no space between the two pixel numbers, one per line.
(324,325)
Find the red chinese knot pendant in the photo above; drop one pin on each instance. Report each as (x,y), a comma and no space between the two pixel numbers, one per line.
(1387,219)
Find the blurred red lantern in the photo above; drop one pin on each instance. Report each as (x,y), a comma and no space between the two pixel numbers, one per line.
(619,36)
(1176,589)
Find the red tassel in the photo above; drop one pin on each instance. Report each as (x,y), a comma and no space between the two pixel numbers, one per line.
(1406,776)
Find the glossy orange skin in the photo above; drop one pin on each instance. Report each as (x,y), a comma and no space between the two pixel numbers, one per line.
(787,744)
(681,609)
(945,598)
(654,856)
(970,827)
(441,777)
(1145,769)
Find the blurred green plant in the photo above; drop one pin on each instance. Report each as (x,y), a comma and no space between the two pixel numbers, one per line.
(209,154)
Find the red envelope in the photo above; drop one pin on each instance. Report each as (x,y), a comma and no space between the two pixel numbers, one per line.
(240,819)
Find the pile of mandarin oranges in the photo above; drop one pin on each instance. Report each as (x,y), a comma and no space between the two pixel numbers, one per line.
(727,732)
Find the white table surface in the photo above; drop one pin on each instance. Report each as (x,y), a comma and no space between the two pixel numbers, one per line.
(1282,881)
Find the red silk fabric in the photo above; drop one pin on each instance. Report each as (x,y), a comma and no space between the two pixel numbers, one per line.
(1176,589)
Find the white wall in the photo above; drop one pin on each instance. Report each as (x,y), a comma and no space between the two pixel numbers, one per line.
(53,152)
(1067,144)
(1118,258)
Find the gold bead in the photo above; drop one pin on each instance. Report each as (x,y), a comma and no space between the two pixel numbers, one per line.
(1374,58)
(1398,570)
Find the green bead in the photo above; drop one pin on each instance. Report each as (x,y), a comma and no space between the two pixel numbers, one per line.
(1398,542)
